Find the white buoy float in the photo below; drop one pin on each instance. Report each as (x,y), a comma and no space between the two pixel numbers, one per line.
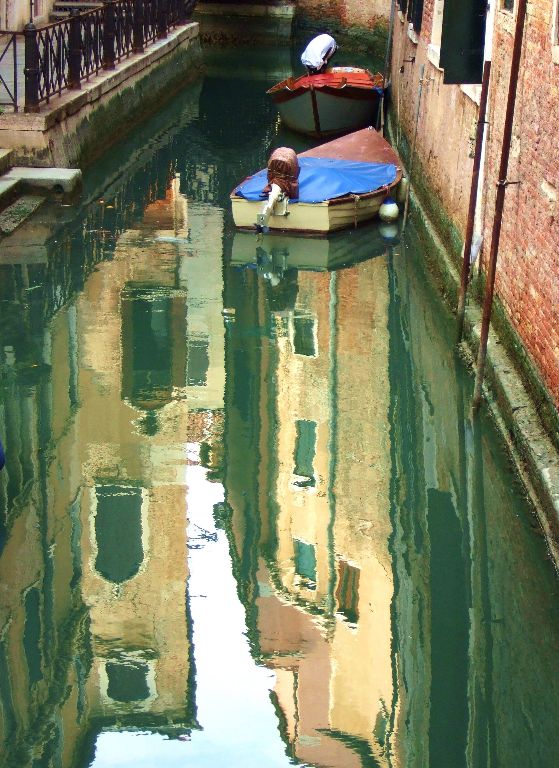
(389,210)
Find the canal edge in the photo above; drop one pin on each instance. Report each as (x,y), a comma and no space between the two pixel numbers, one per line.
(511,405)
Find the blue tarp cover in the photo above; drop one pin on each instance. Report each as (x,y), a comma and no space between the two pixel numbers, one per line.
(323,178)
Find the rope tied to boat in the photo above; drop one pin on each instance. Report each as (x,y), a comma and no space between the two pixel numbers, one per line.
(356,199)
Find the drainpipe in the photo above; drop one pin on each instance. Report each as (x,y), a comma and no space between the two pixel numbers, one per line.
(502,184)
(473,199)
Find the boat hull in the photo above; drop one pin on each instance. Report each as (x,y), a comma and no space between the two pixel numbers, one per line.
(327,105)
(320,218)
(366,145)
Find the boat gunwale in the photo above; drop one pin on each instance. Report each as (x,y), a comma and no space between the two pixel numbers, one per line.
(295,86)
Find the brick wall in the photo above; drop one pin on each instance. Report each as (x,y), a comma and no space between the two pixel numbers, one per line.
(528,267)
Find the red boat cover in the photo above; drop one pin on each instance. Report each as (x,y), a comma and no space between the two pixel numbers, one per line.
(357,79)
(283,170)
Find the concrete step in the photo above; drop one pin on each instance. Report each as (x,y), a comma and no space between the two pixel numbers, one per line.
(18,212)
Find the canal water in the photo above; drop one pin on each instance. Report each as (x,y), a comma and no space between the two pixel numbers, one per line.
(245,518)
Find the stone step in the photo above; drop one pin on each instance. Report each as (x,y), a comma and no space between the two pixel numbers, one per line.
(15,214)
(66,181)
(80,6)
(8,190)
(5,159)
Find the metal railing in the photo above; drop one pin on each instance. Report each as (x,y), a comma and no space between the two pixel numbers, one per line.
(8,70)
(62,55)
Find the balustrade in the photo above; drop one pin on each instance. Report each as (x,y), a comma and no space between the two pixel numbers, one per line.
(62,55)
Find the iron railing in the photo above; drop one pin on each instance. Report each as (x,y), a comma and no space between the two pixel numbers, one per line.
(62,55)
(8,70)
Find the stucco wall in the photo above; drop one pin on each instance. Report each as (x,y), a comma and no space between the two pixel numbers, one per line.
(445,128)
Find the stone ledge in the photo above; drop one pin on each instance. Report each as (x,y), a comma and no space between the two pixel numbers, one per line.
(283,11)
(76,127)
(72,101)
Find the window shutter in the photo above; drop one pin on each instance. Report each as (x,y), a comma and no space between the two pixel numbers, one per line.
(462,40)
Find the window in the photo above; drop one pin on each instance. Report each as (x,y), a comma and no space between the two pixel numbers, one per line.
(415,14)
(508,5)
(305,449)
(463,41)
(347,592)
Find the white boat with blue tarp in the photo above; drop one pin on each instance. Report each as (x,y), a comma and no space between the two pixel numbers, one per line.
(336,185)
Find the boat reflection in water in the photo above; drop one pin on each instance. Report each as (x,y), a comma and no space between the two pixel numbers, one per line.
(276,255)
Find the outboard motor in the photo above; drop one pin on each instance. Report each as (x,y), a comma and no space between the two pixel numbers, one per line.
(283,184)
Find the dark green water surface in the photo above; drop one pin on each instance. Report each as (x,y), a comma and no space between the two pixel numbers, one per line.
(245,518)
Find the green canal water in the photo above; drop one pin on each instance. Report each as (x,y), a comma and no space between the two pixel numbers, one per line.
(245,519)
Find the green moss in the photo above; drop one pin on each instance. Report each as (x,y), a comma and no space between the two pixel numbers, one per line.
(432,206)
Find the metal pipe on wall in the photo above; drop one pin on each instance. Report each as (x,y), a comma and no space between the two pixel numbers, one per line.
(466,262)
(502,184)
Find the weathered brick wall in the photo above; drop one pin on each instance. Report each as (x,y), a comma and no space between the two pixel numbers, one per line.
(527,280)
(351,13)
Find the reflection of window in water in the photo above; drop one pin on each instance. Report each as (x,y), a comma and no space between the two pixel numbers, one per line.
(153,349)
(32,635)
(197,361)
(305,449)
(151,343)
(304,334)
(127,681)
(347,592)
(118,532)
(305,562)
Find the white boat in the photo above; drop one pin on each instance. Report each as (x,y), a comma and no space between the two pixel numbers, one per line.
(378,176)
(330,103)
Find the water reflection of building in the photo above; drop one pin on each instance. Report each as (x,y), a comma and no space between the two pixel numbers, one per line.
(324,588)
(156,354)
(94,624)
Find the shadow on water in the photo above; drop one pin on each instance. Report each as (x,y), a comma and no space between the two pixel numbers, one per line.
(245,518)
